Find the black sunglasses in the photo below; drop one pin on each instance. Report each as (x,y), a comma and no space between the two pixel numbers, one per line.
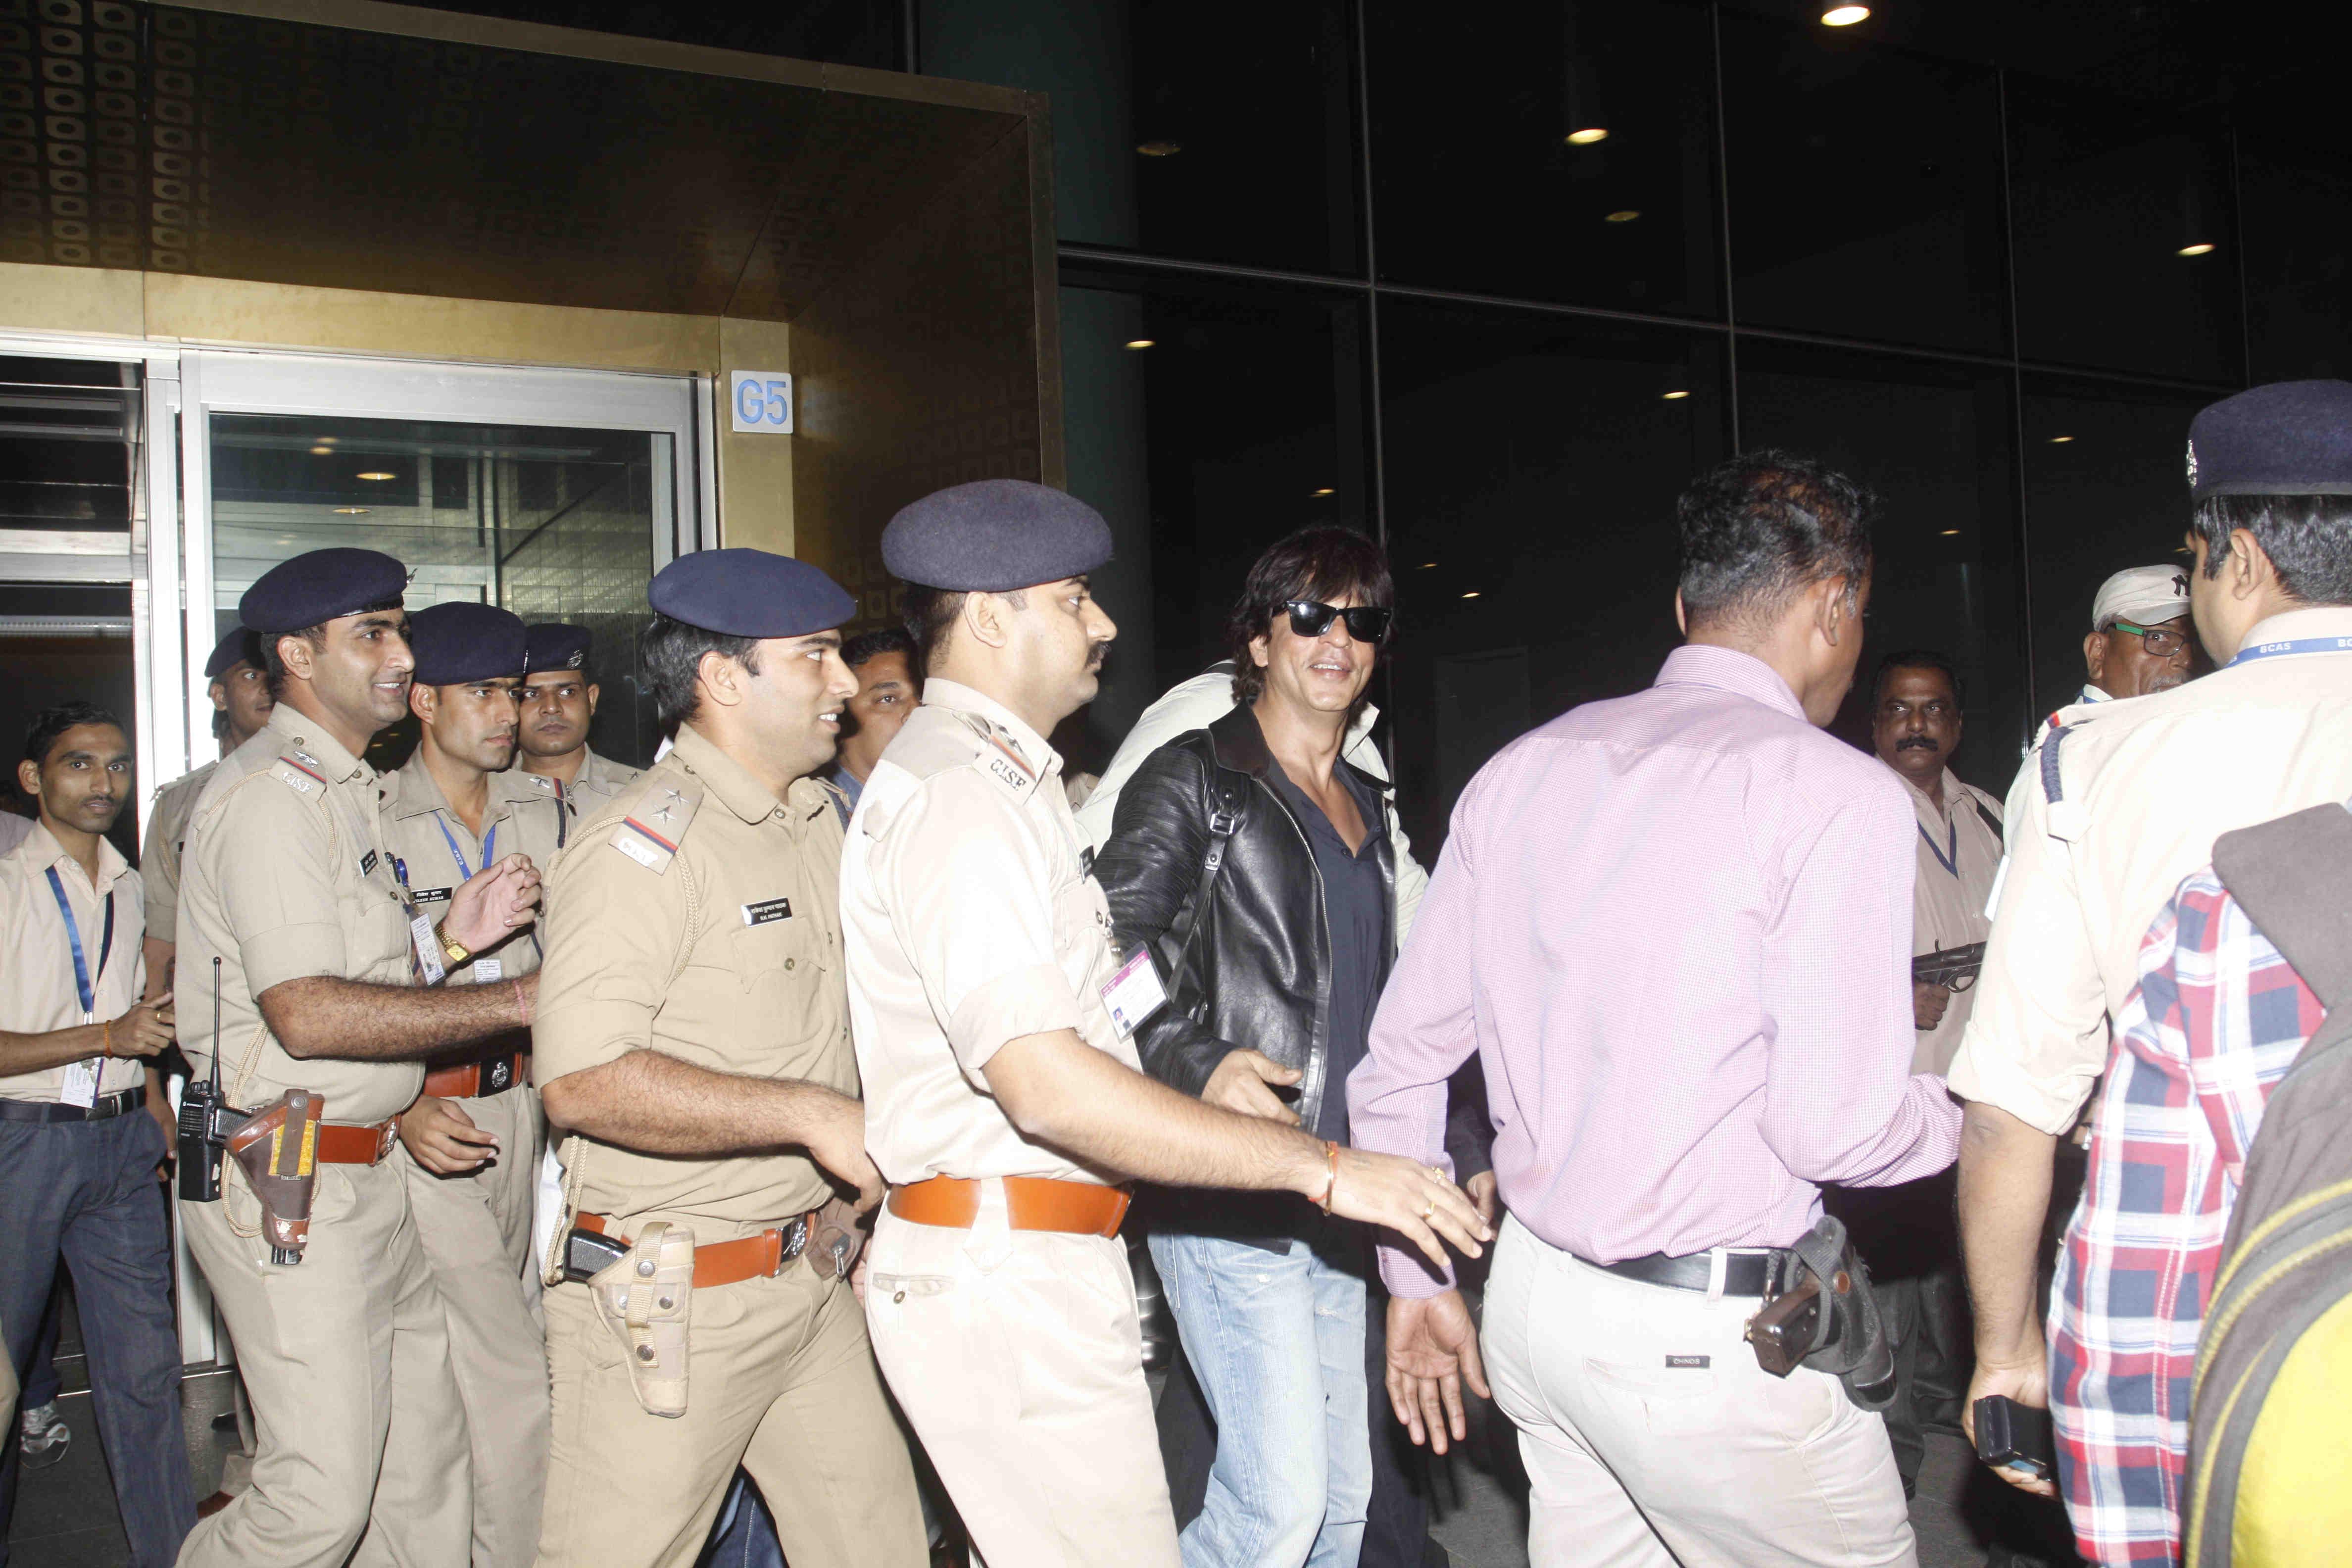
(1366,622)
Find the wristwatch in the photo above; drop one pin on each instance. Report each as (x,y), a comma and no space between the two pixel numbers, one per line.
(456,952)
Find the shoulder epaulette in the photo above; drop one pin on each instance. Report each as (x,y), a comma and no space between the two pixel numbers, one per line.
(656,822)
(298,771)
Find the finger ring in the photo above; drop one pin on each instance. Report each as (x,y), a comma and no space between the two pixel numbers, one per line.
(1435,1174)
(1429,1209)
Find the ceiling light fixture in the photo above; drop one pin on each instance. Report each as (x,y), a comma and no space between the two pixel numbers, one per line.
(351,511)
(1324,491)
(1160,149)
(1672,396)
(2201,248)
(1844,15)
(1140,342)
(1624,215)
(378,474)
(1588,135)
(1471,595)
(1427,564)
(2060,440)
(1951,533)
(322,451)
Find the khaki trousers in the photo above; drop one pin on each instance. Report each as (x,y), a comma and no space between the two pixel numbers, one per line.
(1639,1460)
(1018,1361)
(363,1454)
(780,1381)
(476,1233)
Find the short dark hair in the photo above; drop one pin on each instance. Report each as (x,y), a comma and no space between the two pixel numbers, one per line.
(867,646)
(931,616)
(2307,537)
(1915,658)
(673,653)
(273,668)
(50,723)
(1319,561)
(1763,525)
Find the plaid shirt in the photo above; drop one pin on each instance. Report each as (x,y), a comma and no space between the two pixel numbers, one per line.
(2216,1019)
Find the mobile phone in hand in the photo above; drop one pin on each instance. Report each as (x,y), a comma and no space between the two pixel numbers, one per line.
(2011,1436)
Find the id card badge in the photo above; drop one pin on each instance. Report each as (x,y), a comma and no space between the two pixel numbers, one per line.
(1134,993)
(80,1085)
(487,970)
(428,950)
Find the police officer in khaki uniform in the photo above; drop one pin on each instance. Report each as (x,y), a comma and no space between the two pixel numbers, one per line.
(994,1022)
(473,1136)
(697,1039)
(558,702)
(239,688)
(328,983)
(2124,799)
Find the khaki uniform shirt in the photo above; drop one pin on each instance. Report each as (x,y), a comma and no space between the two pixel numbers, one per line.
(2143,786)
(601,783)
(38,995)
(167,833)
(286,876)
(1947,900)
(697,917)
(522,816)
(973,918)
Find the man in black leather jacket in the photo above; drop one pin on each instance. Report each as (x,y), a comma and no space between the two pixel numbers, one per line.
(1257,864)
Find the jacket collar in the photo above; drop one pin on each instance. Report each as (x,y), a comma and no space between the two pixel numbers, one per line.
(1238,741)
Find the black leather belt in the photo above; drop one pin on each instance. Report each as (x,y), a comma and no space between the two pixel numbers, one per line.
(100,1109)
(1744,1273)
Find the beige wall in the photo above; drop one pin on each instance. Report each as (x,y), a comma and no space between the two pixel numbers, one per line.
(755,472)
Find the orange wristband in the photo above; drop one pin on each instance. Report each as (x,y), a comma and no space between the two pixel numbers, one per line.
(106,1041)
(1331,1184)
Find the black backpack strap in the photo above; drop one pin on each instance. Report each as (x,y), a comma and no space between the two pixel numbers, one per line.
(1225,794)
(1991,820)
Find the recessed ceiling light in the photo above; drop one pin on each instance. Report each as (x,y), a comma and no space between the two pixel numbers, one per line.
(2202,247)
(1670,396)
(322,451)
(1160,148)
(1324,491)
(2060,440)
(1471,595)
(1624,215)
(1844,15)
(1427,564)
(329,440)
(378,474)
(351,511)
(1951,533)
(1140,342)
(1587,136)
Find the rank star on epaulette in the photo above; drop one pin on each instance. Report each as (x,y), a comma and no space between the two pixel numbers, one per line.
(671,800)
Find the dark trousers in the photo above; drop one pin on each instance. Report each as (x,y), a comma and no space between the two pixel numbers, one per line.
(86,1192)
(40,1384)
(1909,1237)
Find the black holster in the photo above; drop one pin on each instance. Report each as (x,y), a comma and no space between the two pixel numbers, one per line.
(1850,1339)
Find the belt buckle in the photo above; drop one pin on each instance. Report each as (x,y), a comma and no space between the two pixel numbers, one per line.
(498,1076)
(795,1238)
(386,1135)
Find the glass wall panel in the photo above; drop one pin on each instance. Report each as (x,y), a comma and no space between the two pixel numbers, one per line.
(69,432)
(1935,442)
(1563,154)
(1242,420)
(1866,189)
(2126,239)
(1532,464)
(2297,202)
(1210,130)
(2105,488)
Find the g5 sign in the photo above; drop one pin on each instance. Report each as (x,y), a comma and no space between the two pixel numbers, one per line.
(762,402)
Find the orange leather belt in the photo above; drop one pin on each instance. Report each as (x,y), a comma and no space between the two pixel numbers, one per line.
(1030,1202)
(760,1256)
(472,1081)
(340,1143)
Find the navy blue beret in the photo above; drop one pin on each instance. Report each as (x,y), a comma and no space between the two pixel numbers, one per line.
(465,641)
(995,535)
(2289,438)
(554,646)
(319,586)
(240,647)
(749,594)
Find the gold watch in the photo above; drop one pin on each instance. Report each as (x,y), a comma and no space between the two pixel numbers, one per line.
(456,952)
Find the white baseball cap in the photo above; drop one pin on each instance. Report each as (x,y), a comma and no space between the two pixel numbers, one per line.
(2146,595)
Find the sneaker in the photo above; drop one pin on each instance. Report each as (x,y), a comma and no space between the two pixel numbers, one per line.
(42,1436)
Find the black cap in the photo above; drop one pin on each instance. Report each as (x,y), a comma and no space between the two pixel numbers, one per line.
(994,535)
(239,647)
(2289,438)
(554,646)
(319,586)
(749,594)
(463,641)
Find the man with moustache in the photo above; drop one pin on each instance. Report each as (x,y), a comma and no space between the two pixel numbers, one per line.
(696,1040)
(76,1159)
(473,1135)
(330,981)
(558,702)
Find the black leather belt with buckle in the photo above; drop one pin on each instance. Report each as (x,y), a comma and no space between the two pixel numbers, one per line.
(1744,1273)
(104,1107)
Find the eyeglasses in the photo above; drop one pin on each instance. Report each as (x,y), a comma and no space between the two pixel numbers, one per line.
(1366,622)
(2161,642)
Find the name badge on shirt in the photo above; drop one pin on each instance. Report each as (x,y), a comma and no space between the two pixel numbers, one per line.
(1134,993)
(367,863)
(428,950)
(767,909)
(429,894)
(80,1085)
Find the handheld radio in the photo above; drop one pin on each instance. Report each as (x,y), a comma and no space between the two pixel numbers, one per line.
(205,1121)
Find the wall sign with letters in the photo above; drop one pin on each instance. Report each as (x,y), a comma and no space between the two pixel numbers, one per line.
(761,401)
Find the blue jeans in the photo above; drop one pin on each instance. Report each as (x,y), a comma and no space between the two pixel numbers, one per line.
(1277,1343)
(86,1190)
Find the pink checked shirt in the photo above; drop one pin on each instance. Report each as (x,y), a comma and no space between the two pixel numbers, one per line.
(1676,929)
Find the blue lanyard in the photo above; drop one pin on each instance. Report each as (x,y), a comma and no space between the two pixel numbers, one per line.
(489,847)
(83,985)
(2289,650)
(1950,862)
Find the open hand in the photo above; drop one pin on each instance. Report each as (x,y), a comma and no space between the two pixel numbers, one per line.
(494,903)
(1239,1084)
(1433,1351)
(1413,1200)
(444,1140)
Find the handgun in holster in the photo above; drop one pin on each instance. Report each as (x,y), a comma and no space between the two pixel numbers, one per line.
(645,1296)
(1823,1314)
(278,1147)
